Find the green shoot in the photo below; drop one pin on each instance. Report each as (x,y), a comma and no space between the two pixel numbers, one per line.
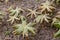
(46,6)
(32,13)
(42,17)
(14,13)
(24,28)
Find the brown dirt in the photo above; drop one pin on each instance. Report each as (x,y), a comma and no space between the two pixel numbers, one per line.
(43,33)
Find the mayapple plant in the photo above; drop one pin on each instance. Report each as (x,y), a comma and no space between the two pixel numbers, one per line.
(24,28)
(42,17)
(14,13)
(46,6)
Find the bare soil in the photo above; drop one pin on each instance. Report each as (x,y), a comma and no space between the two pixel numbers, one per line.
(46,32)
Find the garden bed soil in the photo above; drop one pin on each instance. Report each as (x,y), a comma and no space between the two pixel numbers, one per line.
(46,32)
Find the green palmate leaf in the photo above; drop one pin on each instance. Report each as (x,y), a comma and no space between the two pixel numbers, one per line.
(24,28)
(57,34)
(42,17)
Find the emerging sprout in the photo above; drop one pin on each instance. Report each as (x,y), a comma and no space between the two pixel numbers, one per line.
(32,13)
(42,17)
(46,6)
(14,13)
(24,28)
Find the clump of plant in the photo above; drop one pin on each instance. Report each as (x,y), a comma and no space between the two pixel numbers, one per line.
(24,28)
(56,23)
(14,13)
(46,6)
(32,13)
(42,17)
